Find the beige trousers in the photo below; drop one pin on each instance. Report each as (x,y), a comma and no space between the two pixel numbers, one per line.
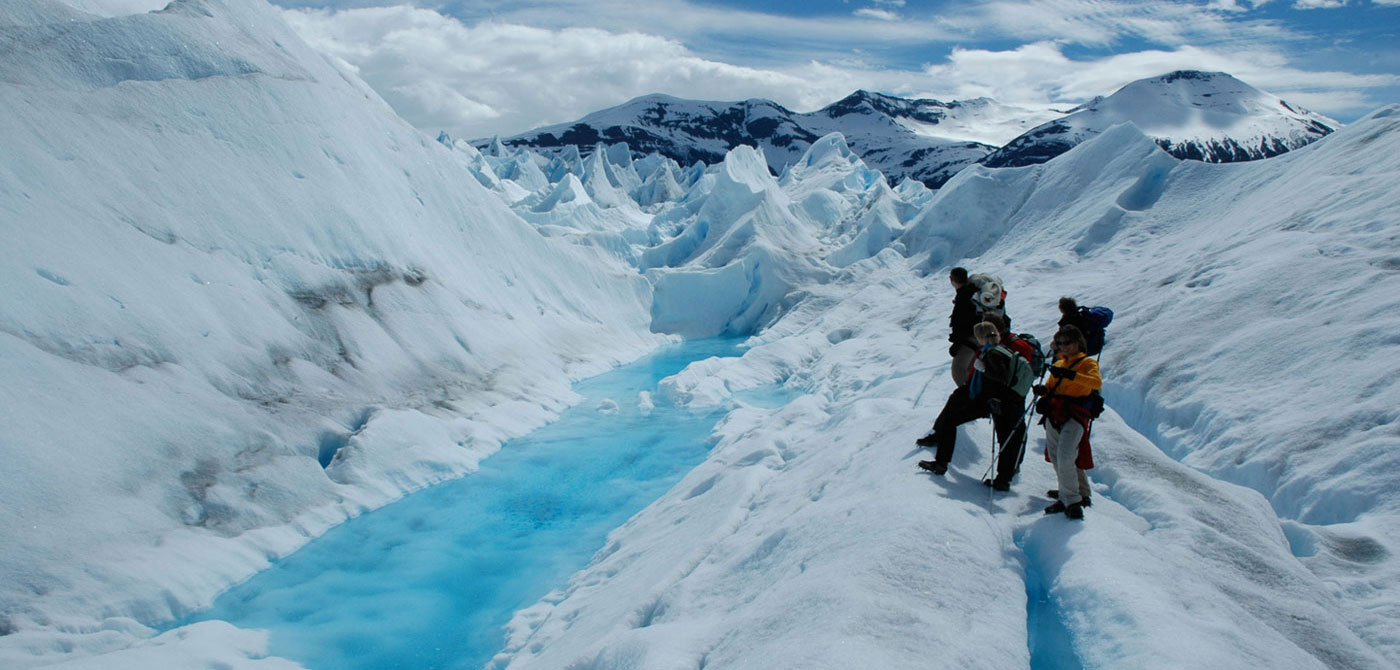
(1063,448)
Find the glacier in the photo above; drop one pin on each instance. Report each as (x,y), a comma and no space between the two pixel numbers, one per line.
(244,302)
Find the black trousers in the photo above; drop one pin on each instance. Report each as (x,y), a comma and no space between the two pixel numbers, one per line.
(1009,427)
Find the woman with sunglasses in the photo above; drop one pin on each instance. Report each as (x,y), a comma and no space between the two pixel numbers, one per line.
(1066,403)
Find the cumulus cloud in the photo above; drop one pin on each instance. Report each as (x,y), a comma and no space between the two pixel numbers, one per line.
(441,74)
(508,74)
(1319,4)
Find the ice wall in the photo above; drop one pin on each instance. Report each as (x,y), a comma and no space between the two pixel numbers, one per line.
(241,301)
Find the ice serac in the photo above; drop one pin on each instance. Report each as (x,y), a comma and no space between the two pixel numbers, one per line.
(243,300)
(660,186)
(736,258)
(1206,116)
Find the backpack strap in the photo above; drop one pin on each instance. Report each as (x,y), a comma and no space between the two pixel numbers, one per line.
(1069,367)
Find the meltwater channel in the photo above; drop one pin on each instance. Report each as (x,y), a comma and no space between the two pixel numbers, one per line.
(430,580)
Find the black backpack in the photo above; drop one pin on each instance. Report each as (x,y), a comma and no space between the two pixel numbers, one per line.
(1038,360)
(1094,403)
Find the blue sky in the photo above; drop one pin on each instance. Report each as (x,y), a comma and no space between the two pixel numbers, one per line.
(483,67)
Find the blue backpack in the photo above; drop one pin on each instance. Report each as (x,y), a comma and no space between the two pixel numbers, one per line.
(1094,322)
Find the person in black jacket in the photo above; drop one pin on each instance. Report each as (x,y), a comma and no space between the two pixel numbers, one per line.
(1069,314)
(963,318)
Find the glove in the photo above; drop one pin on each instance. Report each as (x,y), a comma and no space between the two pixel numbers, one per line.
(979,366)
(1039,389)
(1063,373)
(994,404)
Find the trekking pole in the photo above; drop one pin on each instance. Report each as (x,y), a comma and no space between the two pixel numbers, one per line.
(994,451)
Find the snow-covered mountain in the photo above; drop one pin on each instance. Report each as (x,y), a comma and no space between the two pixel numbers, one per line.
(1205,116)
(925,140)
(242,302)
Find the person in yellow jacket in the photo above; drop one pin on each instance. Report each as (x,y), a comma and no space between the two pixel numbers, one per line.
(1067,400)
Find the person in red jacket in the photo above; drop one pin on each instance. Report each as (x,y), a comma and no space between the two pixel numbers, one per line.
(1065,402)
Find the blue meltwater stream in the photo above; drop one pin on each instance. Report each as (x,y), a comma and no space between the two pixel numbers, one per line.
(429,581)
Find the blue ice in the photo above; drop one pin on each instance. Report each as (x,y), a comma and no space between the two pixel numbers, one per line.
(429,581)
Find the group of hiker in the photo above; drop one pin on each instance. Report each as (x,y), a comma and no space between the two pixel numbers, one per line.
(996,369)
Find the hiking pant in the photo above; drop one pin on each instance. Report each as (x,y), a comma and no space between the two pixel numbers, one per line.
(1062,447)
(959,410)
(1011,440)
(962,364)
(1009,428)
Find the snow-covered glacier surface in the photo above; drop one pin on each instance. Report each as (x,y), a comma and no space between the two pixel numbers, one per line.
(244,302)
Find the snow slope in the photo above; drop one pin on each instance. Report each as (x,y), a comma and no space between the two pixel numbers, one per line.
(242,300)
(1205,116)
(1246,496)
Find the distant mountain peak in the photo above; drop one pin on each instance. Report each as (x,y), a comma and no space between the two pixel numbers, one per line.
(1196,75)
(1208,116)
(878,127)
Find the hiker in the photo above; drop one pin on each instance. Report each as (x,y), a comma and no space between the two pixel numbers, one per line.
(1065,400)
(997,388)
(1091,322)
(1069,313)
(963,318)
(1028,348)
(1017,344)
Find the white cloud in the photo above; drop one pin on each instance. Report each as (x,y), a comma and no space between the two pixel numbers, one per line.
(881,14)
(441,74)
(1040,72)
(1105,23)
(504,77)
(1319,4)
(701,26)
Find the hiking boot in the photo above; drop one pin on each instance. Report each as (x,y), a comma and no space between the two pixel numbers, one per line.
(934,466)
(997,485)
(929,440)
(1056,508)
(1054,494)
(1075,511)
